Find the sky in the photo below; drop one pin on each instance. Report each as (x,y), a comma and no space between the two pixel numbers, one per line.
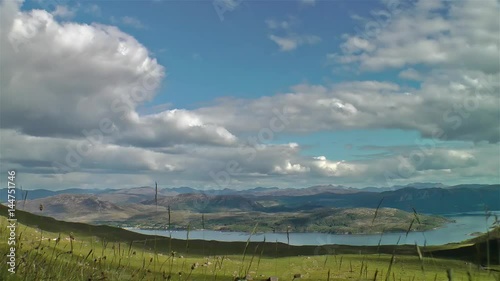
(240,94)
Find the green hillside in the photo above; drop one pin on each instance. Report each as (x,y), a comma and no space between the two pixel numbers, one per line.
(108,253)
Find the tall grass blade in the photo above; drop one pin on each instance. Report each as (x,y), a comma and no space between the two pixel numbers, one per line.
(416,215)
(409,228)
(376,210)
(393,258)
(449,274)
(246,248)
(260,255)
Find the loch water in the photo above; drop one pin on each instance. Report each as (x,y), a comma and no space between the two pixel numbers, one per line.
(461,229)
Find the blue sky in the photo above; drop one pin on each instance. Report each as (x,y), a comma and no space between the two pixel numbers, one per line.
(366,88)
(234,56)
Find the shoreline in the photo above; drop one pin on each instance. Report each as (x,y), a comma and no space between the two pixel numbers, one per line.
(283,233)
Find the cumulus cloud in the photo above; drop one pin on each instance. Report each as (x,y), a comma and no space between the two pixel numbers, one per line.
(333,169)
(68,78)
(289,168)
(453,34)
(448,106)
(456,98)
(437,164)
(66,155)
(216,166)
(63,64)
(172,127)
(78,87)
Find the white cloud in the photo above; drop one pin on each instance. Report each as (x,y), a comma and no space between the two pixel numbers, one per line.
(99,157)
(108,165)
(291,42)
(74,77)
(464,35)
(289,168)
(356,44)
(331,168)
(436,109)
(78,89)
(285,44)
(69,77)
(63,12)
(410,74)
(171,127)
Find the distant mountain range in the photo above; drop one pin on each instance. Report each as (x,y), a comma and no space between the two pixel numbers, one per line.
(200,202)
(137,194)
(424,197)
(426,200)
(237,209)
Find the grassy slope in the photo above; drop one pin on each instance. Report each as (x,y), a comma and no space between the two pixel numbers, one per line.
(122,255)
(484,249)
